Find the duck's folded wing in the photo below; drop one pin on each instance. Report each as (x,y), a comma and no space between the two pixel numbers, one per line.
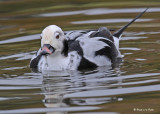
(98,49)
(97,46)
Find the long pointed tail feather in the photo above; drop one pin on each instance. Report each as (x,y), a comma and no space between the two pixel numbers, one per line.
(120,31)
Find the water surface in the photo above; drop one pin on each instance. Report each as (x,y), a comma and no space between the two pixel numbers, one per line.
(134,87)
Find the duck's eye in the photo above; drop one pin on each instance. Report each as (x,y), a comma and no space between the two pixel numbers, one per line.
(57,36)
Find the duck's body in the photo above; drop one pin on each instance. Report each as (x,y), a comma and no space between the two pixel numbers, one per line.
(77,50)
(82,51)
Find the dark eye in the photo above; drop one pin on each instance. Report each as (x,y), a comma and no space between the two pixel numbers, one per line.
(57,37)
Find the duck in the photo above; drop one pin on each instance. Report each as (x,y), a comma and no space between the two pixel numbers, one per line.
(78,49)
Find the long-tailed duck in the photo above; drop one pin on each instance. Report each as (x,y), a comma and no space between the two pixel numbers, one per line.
(75,50)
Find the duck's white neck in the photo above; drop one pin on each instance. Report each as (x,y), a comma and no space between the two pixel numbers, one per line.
(57,61)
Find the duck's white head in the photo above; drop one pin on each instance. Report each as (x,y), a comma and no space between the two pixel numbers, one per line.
(52,39)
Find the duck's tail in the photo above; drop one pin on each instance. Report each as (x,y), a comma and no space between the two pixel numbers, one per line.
(120,31)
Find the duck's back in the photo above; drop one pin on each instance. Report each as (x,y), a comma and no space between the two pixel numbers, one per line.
(96,47)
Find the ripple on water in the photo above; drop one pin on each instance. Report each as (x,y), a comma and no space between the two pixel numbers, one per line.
(43,110)
(108,21)
(19,56)
(94,88)
(27,80)
(140,59)
(98,11)
(21,39)
(110,92)
(130,48)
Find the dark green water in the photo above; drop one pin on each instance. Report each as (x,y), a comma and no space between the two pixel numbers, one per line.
(131,89)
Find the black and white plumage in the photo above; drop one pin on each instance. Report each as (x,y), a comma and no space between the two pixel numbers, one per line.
(75,50)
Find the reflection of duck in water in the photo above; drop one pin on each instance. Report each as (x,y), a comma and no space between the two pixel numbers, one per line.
(53,92)
(60,89)
(76,50)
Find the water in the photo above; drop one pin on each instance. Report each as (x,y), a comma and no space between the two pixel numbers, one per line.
(132,88)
